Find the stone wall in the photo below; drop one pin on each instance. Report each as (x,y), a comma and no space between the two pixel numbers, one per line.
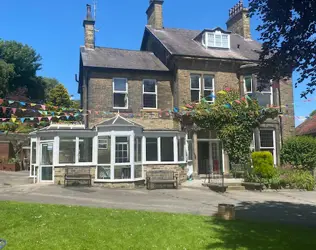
(181,172)
(155,16)
(100,98)
(60,174)
(240,24)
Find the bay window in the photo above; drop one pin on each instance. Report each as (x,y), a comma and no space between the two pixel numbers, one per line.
(122,150)
(149,94)
(67,150)
(120,93)
(85,149)
(181,145)
(151,149)
(166,149)
(104,150)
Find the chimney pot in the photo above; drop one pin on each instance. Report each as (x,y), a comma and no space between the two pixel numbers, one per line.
(89,12)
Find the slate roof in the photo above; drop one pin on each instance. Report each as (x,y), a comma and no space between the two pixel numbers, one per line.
(121,59)
(308,127)
(181,42)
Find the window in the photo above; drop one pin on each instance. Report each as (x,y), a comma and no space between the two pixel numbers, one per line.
(217,40)
(263,95)
(122,172)
(67,150)
(120,93)
(166,148)
(151,149)
(33,160)
(267,142)
(104,172)
(104,150)
(248,84)
(208,88)
(138,171)
(181,142)
(122,149)
(150,94)
(195,88)
(85,149)
(138,149)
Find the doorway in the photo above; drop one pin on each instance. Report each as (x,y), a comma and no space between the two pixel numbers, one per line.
(46,169)
(209,157)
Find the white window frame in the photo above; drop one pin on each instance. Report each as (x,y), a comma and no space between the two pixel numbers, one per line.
(150,93)
(262,92)
(195,89)
(120,92)
(105,142)
(209,89)
(269,148)
(207,43)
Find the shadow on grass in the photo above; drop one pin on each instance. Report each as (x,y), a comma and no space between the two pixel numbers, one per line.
(267,225)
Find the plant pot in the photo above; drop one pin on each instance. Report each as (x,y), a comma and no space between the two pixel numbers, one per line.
(8,167)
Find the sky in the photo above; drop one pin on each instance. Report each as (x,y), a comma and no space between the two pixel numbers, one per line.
(54,29)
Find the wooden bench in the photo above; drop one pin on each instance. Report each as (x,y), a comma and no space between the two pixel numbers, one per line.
(161,177)
(77,174)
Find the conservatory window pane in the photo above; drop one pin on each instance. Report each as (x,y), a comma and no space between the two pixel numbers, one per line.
(67,150)
(122,149)
(104,172)
(190,149)
(181,149)
(33,152)
(138,149)
(122,172)
(166,148)
(151,149)
(104,150)
(138,171)
(85,149)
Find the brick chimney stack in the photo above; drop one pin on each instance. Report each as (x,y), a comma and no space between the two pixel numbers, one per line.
(154,14)
(89,30)
(239,20)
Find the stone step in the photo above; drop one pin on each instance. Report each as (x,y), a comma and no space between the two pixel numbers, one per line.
(235,188)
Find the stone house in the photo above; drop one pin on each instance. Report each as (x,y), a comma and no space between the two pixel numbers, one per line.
(127,96)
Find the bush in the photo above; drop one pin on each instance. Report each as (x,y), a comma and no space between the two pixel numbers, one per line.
(300,152)
(263,166)
(298,179)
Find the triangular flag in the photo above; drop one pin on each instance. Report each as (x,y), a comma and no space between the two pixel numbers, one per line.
(33,104)
(32,119)
(10,102)
(80,110)
(22,103)
(58,116)
(49,118)
(1,101)
(3,119)
(23,110)
(237,101)
(67,116)
(45,112)
(4,109)
(13,119)
(53,113)
(248,97)
(39,118)
(43,107)
(222,92)
(13,110)
(176,110)
(89,111)
(22,119)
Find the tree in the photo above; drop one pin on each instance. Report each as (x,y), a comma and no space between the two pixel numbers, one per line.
(288,34)
(49,84)
(234,119)
(25,62)
(313,113)
(59,96)
(6,74)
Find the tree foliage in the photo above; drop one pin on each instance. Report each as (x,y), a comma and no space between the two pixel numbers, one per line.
(299,152)
(288,34)
(234,119)
(59,96)
(20,63)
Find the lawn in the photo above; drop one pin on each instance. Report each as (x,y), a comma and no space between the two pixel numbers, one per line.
(34,226)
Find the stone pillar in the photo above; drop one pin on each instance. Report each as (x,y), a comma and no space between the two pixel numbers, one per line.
(195,154)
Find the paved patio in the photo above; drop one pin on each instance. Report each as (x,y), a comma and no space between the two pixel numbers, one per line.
(283,206)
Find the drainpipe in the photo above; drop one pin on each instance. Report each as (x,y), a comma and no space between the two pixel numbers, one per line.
(280,110)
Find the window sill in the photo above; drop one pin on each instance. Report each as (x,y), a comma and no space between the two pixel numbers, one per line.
(164,163)
(122,110)
(118,181)
(150,110)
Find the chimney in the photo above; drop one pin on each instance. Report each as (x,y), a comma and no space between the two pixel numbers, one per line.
(154,14)
(239,20)
(89,31)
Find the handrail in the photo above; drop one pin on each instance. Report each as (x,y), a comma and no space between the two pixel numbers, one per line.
(3,243)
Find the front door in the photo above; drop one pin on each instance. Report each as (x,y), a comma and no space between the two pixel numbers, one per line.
(46,170)
(209,157)
(203,157)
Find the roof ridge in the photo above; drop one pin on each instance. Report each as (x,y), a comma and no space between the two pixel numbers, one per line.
(148,52)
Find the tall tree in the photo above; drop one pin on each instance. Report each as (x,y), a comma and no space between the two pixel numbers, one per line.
(49,84)
(288,33)
(6,74)
(25,62)
(59,97)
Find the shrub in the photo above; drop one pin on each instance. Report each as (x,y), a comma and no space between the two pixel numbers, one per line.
(299,179)
(300,152)
(263,164)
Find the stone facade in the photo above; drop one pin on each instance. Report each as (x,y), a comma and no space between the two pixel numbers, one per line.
(100,98)
(240,24)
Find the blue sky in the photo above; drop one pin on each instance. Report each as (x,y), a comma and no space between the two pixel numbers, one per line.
(54,29)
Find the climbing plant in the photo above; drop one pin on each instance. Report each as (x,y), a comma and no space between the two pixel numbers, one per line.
(234,119)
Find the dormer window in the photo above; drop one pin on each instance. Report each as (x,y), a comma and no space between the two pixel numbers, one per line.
(216,39)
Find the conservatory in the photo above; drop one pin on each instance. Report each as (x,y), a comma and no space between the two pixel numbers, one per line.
(117,150)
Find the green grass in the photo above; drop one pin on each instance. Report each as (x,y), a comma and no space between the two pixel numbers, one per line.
(35,226)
